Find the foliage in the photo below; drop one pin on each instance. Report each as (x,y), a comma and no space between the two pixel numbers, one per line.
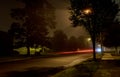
(5,44)
(83,42)
(35,17)
(112,36)
(72,43)
(100,15)
(75,43)
(59,40)
(17,35)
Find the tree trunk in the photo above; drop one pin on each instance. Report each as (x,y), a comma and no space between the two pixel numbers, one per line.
(102,50)
(28,51)
(116,49)
(94,52)
(28,47)
(101,41)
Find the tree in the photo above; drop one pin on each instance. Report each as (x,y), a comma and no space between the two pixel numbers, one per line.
(83,42)
(16,34)
(73,43)
(35,17)
(59,40)
(112,36)
(5,44)
(93,15)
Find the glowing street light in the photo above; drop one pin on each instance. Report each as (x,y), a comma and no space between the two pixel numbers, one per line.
(88,39)
(87,11)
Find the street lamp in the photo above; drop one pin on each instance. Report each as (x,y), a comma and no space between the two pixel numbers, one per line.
(87,11)
(88,42)
(88,39)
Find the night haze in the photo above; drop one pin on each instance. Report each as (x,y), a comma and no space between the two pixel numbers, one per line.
(60,38)
(5,18)
(61,12)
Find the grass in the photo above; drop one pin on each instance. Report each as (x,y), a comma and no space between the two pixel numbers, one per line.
(35,72)
(85,69)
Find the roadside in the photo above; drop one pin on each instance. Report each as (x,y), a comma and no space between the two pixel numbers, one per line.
(36,71)
(24,57)
(108,66)
(84,69)
(11,59)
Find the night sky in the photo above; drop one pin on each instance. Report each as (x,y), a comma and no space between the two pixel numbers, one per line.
(62,15)
(62,18)
(5,20)
(5,7)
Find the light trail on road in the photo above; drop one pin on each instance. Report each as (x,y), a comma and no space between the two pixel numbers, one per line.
(76,52)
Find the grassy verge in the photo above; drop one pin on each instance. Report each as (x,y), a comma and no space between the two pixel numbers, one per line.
(84,69)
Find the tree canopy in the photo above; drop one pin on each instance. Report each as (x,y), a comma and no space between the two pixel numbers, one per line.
(94,15)
(59,40)
(101,14)
(35,18)
(112,36)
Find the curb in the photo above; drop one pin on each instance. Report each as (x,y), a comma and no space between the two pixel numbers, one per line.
(13,60)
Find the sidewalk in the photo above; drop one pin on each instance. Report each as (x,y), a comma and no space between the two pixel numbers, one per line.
(109,66)
(108,56)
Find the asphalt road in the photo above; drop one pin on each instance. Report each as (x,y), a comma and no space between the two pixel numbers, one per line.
(34,63)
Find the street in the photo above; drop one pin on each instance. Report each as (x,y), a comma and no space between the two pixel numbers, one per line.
(66,61)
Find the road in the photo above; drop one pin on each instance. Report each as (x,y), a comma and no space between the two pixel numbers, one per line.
(66,61)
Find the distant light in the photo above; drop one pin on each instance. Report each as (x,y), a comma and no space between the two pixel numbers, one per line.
(98,50)
(88,39)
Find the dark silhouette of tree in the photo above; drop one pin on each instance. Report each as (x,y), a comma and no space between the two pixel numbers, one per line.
(94,15)
(83,42)
(59,40)
(35,17)
(112,36)
(80,42)
(73,43)
(5,44)
(17,35)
